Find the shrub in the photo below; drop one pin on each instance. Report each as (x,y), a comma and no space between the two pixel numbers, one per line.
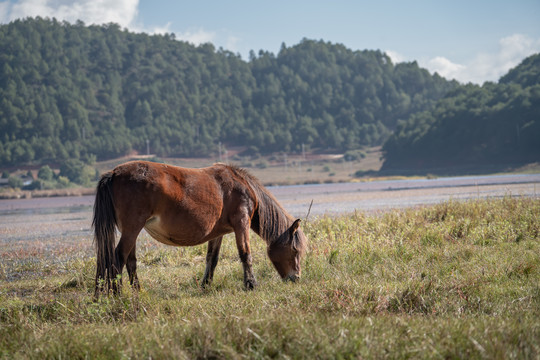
(63,181)
(45,173)
(354,155)
(77,172)
(15,182)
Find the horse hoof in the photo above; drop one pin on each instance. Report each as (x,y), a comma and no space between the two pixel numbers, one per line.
(250,284)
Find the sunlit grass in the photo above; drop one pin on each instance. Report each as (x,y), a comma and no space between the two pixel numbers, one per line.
(454,280)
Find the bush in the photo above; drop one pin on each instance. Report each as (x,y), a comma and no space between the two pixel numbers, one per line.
(63,182)
(77,172)
(15,182)
(45,173)
(354,155)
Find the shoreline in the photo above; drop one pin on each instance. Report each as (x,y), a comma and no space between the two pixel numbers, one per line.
(336,197)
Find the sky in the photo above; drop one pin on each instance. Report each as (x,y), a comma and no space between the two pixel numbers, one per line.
(467,40)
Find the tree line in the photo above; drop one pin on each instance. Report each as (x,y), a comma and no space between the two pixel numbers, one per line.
(78,92)
(72,91)
(494,124)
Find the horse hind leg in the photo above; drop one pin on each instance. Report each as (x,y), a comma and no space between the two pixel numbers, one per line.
(124,254)
(131,266)
(212,257)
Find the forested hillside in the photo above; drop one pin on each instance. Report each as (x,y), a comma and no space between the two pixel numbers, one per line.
(80,92)
(494,124)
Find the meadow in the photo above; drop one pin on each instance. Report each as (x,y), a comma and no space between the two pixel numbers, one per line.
(460,279)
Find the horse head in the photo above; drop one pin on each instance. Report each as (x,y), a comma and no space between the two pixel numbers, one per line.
(287,252)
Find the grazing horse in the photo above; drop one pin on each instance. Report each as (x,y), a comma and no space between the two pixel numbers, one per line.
(184,207)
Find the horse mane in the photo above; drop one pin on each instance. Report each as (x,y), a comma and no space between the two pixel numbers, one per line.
(270,220)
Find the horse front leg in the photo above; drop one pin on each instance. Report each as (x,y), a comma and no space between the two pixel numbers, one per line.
(212,257)
(244,251)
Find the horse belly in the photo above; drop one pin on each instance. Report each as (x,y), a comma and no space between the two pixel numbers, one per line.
(180,235)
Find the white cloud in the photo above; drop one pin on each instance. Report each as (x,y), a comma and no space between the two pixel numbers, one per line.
(122,12)
(445,67)
(4,11)
(197,36)
(395,56)
(487,66)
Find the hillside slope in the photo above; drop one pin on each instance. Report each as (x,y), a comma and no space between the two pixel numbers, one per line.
(80,92)
(490,125)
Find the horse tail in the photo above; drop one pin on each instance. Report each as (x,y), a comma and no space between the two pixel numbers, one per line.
(104,224)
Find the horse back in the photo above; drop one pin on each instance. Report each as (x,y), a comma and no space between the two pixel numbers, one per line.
(179,206)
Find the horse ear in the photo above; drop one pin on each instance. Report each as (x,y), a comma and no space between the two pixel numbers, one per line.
(295,226)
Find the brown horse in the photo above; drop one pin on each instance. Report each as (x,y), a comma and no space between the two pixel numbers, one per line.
(184,207)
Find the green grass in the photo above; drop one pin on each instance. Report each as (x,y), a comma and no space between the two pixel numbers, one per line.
(455,280)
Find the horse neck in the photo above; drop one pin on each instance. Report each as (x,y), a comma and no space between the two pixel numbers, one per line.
(271,221)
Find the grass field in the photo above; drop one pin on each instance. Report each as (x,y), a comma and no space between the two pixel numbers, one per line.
(452,281)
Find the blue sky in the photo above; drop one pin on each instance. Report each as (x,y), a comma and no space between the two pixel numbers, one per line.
(469,40)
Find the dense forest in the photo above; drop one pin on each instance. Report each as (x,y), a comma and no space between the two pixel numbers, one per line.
(77,92)
(496,124)
(71,91)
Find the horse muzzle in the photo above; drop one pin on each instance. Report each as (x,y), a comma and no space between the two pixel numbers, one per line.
(293,277)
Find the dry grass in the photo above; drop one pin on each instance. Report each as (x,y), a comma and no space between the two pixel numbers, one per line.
(454,280)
